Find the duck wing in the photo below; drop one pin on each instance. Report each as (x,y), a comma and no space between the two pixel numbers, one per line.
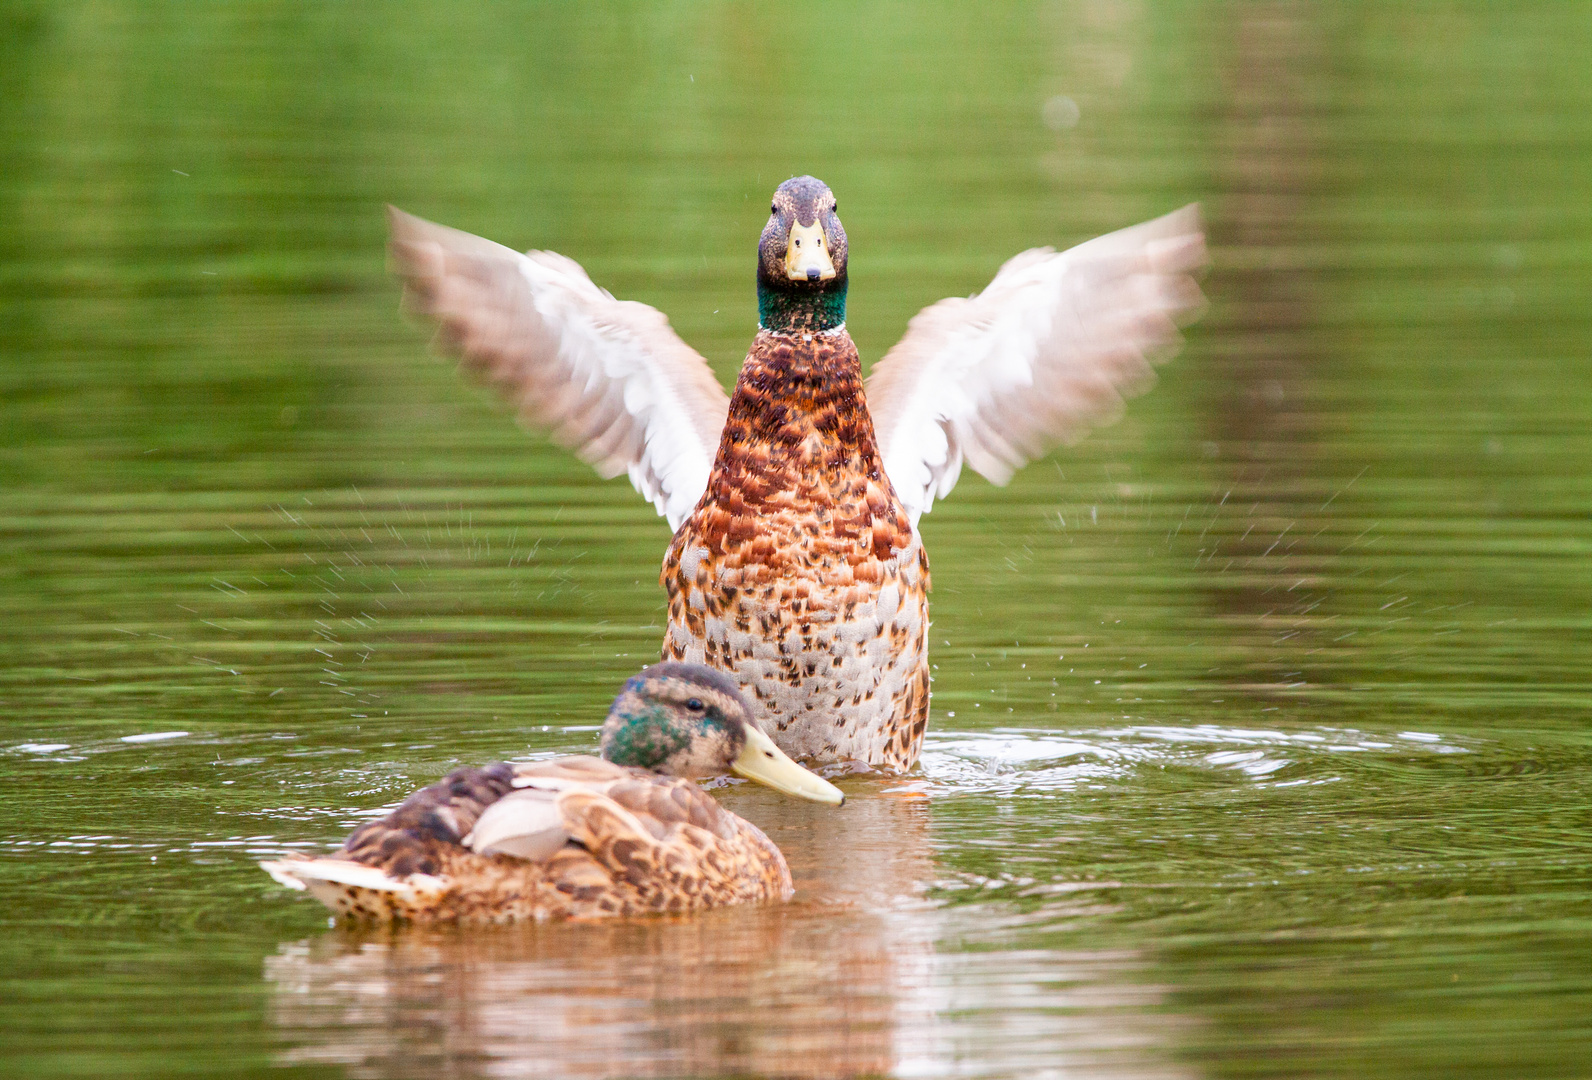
(1049,349)
(664,837)
(528,821)
(674,845)
(610,379)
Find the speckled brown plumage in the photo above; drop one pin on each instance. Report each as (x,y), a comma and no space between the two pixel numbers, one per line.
(637,842)
(798,571)
(411,838)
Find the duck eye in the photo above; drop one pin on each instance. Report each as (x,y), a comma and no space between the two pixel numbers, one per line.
(772,209)
(695,705)
(798,243)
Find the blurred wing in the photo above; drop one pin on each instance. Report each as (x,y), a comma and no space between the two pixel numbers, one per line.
(607,378)
(1048,350)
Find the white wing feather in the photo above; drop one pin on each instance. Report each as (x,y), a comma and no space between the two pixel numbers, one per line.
(607,378)
(1049,349)
(527,824)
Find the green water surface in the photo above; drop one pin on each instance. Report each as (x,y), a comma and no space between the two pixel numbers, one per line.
(1260,743)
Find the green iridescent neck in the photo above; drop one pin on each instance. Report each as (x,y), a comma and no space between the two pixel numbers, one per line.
(805,310)
(645,739)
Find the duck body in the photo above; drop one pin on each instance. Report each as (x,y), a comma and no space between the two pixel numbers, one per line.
(616,841)
(799,571)
(577,837)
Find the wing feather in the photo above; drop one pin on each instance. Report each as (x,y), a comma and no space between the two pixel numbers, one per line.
(607,378)
(1048,350)
(526,824)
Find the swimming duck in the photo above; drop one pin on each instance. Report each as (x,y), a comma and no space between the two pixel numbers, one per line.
(578,837)
(796,563)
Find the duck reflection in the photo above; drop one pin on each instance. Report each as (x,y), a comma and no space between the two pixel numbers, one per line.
(816,988)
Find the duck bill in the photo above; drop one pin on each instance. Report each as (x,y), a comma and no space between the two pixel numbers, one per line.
(762,761)
(807,254)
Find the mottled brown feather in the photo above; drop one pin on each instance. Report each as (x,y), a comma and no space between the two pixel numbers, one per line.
(799,572)
(408,840)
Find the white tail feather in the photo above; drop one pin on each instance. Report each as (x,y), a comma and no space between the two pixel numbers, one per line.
(320,875)
(281,875)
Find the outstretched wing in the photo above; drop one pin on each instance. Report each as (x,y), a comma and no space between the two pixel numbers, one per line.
(1048,350)
(610,379)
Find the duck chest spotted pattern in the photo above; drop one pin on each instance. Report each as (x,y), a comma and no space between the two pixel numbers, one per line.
(799,572)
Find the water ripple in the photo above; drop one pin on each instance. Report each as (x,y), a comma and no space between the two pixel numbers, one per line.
(1026,761)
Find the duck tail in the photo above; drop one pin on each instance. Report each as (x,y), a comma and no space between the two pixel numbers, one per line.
(351,888)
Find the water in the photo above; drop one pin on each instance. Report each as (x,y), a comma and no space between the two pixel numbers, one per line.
(1260,739)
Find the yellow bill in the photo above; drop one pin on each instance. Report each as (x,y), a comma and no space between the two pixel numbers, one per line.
(766,763)
(807,254)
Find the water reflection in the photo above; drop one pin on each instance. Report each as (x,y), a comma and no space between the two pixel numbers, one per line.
(1264,429)
(761,992)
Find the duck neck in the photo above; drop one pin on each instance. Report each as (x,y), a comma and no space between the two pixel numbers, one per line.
(805,309)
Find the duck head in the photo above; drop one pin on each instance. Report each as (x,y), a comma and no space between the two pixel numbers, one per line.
(690,720)
(801,260)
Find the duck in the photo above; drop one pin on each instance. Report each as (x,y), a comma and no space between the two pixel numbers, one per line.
(581,837)
(796,564)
